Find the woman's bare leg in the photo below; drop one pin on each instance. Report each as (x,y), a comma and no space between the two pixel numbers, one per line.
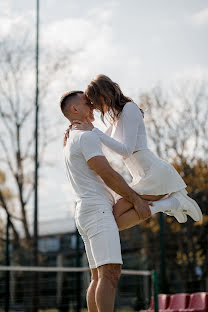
(126,219)
(125,214)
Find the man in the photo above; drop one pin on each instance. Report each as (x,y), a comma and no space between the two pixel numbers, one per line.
(92,178)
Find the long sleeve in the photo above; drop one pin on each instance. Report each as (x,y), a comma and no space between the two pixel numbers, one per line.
(108,131)
(130,121)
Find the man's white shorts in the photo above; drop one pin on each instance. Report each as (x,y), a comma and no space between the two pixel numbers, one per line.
(99,231)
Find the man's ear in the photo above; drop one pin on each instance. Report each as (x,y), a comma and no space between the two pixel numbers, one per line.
(73,109)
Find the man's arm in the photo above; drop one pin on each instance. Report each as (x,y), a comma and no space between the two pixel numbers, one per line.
(90,146)
(116,182)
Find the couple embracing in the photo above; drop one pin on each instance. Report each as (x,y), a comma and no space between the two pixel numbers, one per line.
(99,215)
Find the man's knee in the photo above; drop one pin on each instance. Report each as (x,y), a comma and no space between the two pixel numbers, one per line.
(94,275)
(110,272)
(94,280)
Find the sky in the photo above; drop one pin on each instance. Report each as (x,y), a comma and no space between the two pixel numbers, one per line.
(138,43)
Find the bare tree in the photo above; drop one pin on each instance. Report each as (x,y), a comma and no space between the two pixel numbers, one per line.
(177,122)
(17,97)
(177,127)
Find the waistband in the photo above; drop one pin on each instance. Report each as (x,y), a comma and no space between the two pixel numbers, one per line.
(87,209)
(92,203)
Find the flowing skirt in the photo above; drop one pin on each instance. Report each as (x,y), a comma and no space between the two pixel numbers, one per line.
(152,175)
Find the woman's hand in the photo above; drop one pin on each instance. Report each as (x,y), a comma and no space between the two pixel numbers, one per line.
(66,135)
(79,125)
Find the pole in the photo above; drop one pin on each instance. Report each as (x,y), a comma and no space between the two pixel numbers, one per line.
(155,286)
(7,273)
(162,254)
(78,279)
(35,237)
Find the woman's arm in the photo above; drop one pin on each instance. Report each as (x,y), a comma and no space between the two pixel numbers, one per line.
(108,131)
(130,119)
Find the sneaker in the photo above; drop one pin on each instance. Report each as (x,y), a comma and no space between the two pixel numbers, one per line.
(188,206)
(180,216)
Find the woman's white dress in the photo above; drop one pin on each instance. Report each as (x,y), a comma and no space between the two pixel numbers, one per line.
(150,174)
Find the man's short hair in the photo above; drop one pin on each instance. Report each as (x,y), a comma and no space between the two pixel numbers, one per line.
(68,96)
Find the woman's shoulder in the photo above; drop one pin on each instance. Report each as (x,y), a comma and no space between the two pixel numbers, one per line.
(131,106)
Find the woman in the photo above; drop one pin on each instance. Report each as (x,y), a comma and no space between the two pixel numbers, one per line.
(152,177)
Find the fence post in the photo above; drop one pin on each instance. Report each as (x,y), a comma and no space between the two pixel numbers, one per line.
(155,287)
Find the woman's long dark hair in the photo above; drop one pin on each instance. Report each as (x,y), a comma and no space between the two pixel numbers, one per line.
(103,86)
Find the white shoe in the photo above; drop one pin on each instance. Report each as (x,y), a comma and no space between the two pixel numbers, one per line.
(180,216)
(176,212)
(188,206)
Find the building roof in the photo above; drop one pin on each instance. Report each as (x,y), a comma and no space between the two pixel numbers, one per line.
(56,226)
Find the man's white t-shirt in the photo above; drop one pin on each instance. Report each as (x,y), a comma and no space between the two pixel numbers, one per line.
(88,187)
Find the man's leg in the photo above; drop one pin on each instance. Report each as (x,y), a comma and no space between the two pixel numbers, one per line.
(91,304)
(108,276)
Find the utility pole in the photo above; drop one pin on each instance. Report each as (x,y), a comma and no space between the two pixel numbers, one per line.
(35,235)
(7,273)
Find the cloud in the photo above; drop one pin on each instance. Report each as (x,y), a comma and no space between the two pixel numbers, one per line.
(95,49)
(193,73)
(14,24)
(104,13)
(199,19)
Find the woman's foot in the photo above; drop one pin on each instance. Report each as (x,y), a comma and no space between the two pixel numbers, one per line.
(180,216)
(169,206)
(188,206)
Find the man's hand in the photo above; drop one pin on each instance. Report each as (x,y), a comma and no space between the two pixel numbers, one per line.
(142,208)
